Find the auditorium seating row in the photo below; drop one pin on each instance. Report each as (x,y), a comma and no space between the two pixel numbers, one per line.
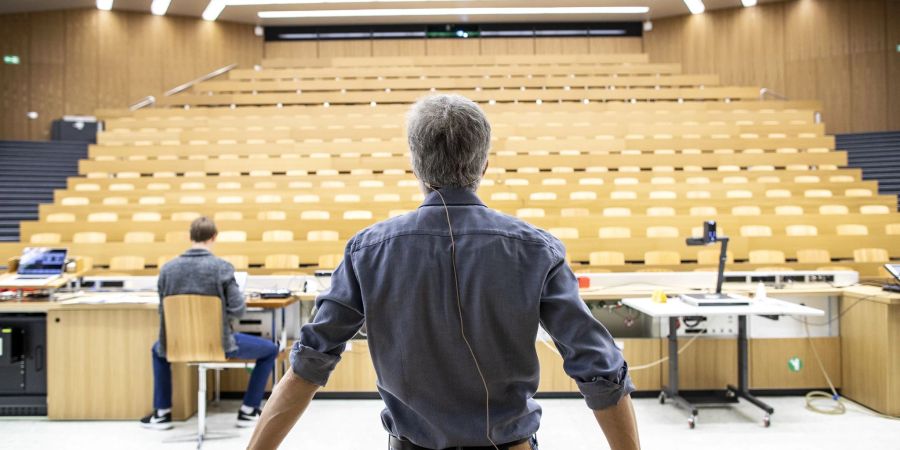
(620,158)
(391,81)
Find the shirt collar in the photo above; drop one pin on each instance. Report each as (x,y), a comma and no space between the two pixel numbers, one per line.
(453,197)
(196,252)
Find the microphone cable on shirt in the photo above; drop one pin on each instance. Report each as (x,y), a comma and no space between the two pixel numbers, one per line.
(487,392)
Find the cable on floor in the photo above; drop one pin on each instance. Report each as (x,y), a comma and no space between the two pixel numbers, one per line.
(839,405)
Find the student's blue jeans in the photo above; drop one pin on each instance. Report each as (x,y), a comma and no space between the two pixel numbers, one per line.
(262,350)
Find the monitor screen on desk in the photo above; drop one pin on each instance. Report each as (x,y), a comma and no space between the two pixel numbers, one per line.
(894,269)
(42,261)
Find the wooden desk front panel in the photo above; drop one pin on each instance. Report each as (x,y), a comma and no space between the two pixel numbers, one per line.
(870,345)
(769,362)
(355,372)
(99,365)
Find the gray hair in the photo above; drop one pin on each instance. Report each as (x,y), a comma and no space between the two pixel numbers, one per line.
(449,139)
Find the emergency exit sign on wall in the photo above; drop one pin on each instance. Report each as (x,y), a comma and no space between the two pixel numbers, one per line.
(10,59)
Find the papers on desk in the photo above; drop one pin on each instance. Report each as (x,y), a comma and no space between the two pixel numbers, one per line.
(113,298)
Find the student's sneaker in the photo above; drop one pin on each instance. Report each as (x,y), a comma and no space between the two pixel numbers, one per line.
(245,420)
(155,421)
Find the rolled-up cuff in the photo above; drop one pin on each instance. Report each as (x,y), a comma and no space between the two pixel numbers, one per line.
(312,365)
(601,393)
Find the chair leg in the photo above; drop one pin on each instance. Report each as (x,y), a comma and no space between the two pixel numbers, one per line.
(218,386)
(202,435)
(201,404)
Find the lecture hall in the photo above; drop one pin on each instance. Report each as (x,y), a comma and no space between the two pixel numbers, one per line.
(450,225)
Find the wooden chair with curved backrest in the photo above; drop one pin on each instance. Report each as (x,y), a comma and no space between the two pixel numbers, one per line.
(194,336)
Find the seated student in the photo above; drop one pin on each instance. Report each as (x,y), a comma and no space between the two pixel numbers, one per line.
(199,272)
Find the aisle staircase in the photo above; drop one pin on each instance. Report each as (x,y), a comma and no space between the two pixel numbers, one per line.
(878,155)
(29,172)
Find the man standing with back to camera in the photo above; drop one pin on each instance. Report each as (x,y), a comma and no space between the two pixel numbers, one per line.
(452,295)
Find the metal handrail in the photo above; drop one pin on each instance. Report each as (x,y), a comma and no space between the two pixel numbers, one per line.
(143,103)
(817,115)
(766,91)
(189,84)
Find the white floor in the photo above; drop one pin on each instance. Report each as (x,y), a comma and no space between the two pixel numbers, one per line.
(567,425)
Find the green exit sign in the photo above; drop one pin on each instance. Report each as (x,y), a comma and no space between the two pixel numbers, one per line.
(898,48)
(10,59)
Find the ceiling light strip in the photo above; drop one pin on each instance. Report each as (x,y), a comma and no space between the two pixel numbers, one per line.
(391,12)
(159,7)
(696,6)
(105,5)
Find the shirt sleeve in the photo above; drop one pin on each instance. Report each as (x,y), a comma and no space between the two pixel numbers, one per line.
(339,317)
(589,354)
(235,304)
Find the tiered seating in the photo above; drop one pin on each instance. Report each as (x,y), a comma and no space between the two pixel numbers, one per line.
(623,178)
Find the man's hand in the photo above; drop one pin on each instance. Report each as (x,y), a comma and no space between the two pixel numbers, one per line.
(619,425)
(288,401)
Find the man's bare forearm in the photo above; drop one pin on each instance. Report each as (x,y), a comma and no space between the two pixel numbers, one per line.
(288,401)
(619,424)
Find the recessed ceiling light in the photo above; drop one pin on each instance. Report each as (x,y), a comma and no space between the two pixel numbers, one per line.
(159,7)
(105,5)
(213,9)
(748,3)
(452,12)
(696,6)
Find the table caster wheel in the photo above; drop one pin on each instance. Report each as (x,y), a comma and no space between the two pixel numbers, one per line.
(767,421)
(662,398)
(692,422)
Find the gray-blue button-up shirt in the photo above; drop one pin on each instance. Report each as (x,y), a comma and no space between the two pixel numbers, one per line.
(397,279)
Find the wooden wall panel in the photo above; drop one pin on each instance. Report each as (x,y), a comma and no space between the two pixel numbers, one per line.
(606,45)
(698,43)
(15,79)
(76,61)
(868,66)
(869,104)
(82,50)
(337,49)
(664,43)
(398,47)
(507,46)
(817,34)
(892,57)
(294,50)
(47,63)
(750,50)
(112,87)
(451,47)
(188,39)
(145,67)
(561,46)
(833,51)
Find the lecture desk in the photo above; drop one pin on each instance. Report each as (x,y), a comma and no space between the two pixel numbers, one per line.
(98,355)
(675,309)
(99,366)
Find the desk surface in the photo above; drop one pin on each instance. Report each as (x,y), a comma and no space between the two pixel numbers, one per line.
(869,293)
(644,290)
(55,283)
(118,300)
(763,307)
(873,294)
